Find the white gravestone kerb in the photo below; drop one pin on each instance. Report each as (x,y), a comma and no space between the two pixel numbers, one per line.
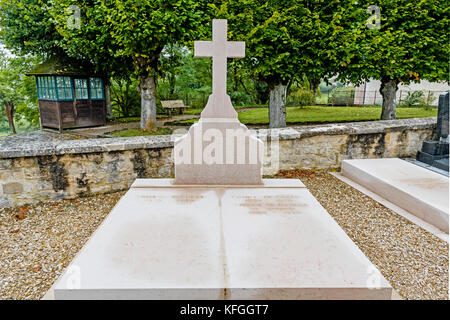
(218,150)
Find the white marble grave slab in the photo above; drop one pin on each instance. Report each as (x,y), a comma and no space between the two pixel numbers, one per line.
(417,190)
(165,241)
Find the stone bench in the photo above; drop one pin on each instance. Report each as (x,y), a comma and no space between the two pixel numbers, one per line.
(171,105)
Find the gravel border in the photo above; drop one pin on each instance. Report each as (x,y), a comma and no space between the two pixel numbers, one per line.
(39,241)
(414,261)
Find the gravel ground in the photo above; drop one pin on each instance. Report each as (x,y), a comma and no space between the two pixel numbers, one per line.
(414,261)
(39,241)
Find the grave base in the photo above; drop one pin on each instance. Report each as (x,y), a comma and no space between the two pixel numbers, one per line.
(270,241)
(417,190)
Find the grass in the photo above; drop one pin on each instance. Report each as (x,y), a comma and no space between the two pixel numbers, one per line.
(199,110)
(134,119)
(321,114)
(140,132)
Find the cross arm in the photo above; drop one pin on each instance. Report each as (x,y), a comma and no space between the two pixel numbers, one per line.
(235,49)
(203,49)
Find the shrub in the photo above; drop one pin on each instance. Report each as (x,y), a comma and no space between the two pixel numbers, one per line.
(342,96)
(427,101)
(413,98)
(239,98)
(301,97)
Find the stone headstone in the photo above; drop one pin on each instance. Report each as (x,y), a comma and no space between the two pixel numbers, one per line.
(435,153)
(442,121)
(218,149)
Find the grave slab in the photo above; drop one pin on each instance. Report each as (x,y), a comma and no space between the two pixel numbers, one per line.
(415,189)
(167,241)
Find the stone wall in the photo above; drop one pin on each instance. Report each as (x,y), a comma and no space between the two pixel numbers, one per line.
(72,168)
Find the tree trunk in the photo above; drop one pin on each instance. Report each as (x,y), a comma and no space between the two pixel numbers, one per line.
(9,110)
(388,89)
(277,106)
(314,85)
(109,113)
(171,86)
(147,87)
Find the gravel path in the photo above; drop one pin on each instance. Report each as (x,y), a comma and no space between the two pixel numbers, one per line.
(414,261)
(39,241)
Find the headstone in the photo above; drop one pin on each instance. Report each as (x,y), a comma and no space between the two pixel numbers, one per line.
(218,149)
(417,190)
(442,121)
(218,230)
(436,153)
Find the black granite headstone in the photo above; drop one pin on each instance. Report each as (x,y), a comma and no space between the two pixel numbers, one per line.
(442,121)
(435,153)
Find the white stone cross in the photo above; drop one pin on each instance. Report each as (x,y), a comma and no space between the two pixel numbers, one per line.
(219,49)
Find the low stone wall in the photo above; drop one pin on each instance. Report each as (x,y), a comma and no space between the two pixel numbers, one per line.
(67,169)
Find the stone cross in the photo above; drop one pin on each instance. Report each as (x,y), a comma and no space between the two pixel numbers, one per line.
(219,49)
(218,149)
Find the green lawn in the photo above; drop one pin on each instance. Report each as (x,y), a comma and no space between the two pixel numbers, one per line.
(134,119)
(199,110)
(318,114)
(140,132)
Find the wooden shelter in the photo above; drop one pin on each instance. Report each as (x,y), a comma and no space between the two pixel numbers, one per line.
(70,94)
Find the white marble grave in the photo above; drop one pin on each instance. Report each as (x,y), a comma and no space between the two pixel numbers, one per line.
(218,230)
(270,241)
(417,190)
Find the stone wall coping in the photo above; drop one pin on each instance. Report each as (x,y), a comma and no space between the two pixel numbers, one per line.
(43,148)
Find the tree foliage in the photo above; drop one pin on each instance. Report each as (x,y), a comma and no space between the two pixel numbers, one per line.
(17,91)
(26,27)
(410,45)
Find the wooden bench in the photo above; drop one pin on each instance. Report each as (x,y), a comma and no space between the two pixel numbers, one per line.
(171,105)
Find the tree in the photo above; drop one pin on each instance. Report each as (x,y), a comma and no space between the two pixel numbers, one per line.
(45,29)
(86,35)
(17,92)
(285,41)
(410,45)
(137,31)
(170,64)
(26,28)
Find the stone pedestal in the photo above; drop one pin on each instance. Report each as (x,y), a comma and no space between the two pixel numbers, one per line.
(273,241)
(218,150)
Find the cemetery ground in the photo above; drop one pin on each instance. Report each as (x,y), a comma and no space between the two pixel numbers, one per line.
(39,241)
